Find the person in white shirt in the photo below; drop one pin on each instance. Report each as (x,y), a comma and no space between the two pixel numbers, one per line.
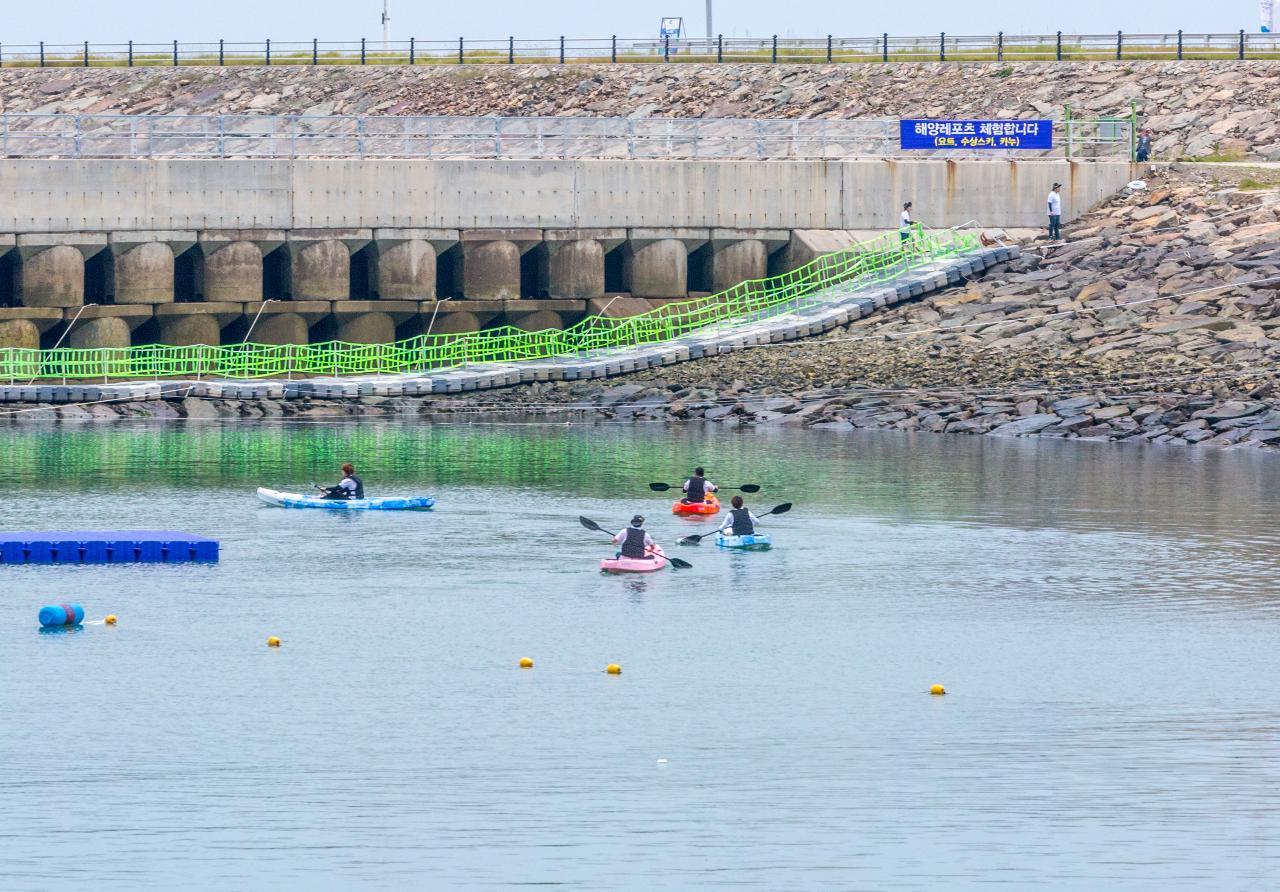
(634,541)
(904,229)
(1055,213)
(740,522)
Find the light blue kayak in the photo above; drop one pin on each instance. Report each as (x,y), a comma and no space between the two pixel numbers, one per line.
(297,500)
(757,542)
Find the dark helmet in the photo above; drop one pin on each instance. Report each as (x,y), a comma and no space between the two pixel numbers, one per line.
(637,521)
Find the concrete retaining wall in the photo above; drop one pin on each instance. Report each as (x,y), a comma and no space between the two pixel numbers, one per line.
(76,195)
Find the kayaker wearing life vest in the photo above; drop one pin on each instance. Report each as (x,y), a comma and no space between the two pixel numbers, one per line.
(740,521)
(697,487)
(350,487)
(635,542)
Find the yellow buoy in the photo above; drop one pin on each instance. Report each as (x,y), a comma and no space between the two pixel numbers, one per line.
(526,663)
(273,641)
(613,669)
(110,620)
(937,690)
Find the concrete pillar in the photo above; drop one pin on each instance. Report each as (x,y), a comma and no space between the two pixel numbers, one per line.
(657,261)
(281,328)
(575,261)
(19,333)
(51,273)
(491,262)
(144,274)
(406,261)
(320,262)
(740,255)
(806,245)
(183,331)
(455,323)
(109,331)
(367,328)
(233,272)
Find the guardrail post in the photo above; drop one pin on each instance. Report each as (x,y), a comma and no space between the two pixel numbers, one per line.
(222,136)
(775,49)
(131,54)
(886,46)
(86,54)
(268,52)
(1059,56)
(222,58)
(462,53)
(561,49)
(666,48)
(719,47)
(1241,43)
(79,131)
(613,48)
(828,49)
(360,137)
(412,50)
(42,54)
(1000,47)
(315,51)
(1119,44)
(361,50)
(511,50)
(942,47)
(175,54)
(1179,44)
(497,138)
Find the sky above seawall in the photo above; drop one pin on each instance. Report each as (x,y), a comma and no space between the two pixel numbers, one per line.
(71,21)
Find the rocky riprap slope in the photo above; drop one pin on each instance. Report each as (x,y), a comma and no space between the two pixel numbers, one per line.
(1157,321)
(1195,108)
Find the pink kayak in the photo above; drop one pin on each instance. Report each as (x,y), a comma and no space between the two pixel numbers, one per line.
(635,565)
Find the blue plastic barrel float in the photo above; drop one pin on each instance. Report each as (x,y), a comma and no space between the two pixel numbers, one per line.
(54,615)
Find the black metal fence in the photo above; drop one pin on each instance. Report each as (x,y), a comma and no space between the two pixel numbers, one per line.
(1001,47)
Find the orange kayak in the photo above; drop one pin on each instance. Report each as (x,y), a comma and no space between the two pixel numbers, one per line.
(710,506)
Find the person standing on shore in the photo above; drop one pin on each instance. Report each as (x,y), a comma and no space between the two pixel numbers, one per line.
(1144,147)
(1055,213)
(904,227)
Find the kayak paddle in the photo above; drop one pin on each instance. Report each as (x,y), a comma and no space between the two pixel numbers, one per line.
(694,540)
(663,487)
(675,562)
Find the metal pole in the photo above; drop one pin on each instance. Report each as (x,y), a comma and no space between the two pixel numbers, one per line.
(1241,43)
(361,50)
(775,49)
(828,49)
(268,52)
(561,49)
(461,53)
(222,59)
(412,50)
(175,54)
(710,30)
(942,47)
(1119,44)
(511,51)
(42,54)
(1179,44)
(613,51)
(131,54)
(1000,47)
(1059,53)
(386,25)
(886,46)
(666,48)
(720,48)
(86,54)
(315,51)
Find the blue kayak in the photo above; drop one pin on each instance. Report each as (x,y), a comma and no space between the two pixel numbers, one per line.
(297,500)
(758,542)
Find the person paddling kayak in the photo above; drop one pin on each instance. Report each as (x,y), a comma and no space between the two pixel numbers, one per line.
(740,521)
(350,487)
(636,543)
(697,487)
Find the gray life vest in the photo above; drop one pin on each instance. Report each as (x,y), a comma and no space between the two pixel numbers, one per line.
(742,525)
(697,491)
(359,491)
(633,544)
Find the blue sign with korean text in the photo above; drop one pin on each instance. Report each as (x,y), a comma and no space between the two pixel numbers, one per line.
(976,134)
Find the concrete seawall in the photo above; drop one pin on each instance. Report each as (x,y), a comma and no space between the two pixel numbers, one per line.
(112,253)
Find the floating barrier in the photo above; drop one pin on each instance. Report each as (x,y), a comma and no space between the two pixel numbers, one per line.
(55,615)
(105,547)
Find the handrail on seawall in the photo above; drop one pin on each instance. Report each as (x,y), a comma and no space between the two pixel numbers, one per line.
(875,260)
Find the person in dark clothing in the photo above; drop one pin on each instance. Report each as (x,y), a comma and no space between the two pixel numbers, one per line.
(636,543)
(1144,147)
(350,487)
(697,487)
(740,521)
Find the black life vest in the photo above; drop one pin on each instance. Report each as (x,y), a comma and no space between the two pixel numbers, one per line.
(742,525)
(359,493)
(697,491)
(633,544)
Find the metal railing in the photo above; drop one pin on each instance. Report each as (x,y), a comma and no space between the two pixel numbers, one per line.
(881,258)
(293,136)
(1000,47)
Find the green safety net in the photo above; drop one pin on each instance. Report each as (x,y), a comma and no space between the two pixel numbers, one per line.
(865,262)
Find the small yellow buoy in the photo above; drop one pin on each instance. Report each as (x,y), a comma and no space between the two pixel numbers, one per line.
(273,641)
(526,663)
(937,690)
(110,620)
(613,669)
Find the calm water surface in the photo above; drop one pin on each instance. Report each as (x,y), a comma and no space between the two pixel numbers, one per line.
(1105,619)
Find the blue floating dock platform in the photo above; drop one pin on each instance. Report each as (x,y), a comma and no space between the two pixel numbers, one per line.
(106,547)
